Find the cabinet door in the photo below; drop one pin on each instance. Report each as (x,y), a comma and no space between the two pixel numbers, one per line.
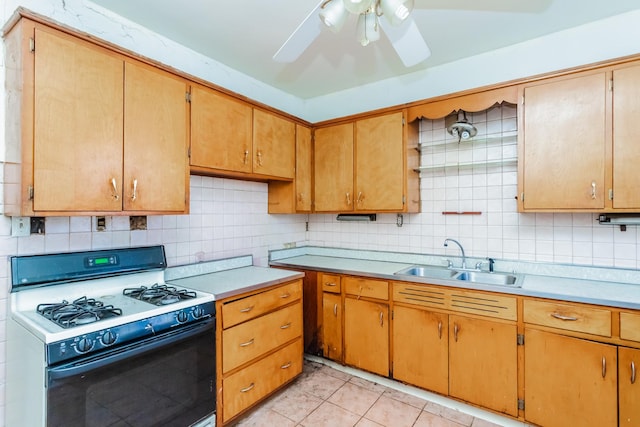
(78,126)
(333,160)
(626,128)
(332,326)
(220,131)
(303,169)
(379,179)
(483,363)
(274,145)
(564,144)
(569,381)
(156,167)
(420,348)
(366,335)
(629,386)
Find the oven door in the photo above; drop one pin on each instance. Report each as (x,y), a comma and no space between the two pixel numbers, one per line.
(165,380)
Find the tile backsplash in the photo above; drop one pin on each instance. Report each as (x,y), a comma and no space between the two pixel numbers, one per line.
(480,175)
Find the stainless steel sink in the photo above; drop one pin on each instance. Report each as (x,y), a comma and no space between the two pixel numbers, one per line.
(427,272)
(488,278)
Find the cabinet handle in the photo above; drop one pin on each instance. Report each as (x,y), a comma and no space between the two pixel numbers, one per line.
(563,317)
(134,196)
(360,198)
(593,190)
(248,343)
(604,367)
(246,309)
(335,310)
(246,389)
(286,326)
(348,198)
(285,296)
(300,197)
(246,157)
(455,332)
(633,372)
(259,154)
(116,196)
(381,319)
(286,365)
(440,330)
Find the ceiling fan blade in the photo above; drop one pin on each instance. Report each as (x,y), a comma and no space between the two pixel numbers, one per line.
(407,41)
(301,38)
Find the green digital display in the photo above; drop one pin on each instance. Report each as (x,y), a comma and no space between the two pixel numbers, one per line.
(100,261)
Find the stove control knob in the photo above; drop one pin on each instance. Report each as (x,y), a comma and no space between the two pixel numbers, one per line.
(84,344)
(108,338)
(198,312)
(182,316)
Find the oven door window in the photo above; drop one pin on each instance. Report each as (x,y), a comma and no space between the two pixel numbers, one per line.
(171,384)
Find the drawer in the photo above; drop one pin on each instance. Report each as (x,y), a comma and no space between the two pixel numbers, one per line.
(425,296)
(330,283)
(630,326)
(246,387)
(570,317)
(484,304)
(247,308)
(251,339)
(366,287)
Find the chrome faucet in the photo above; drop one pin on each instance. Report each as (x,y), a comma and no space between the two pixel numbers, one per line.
(464,259)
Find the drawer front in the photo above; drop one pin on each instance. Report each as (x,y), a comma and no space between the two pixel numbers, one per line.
(489,304)
(256,337)
(630,326)
(330,283)
(366,287)
(425,296)
(246,387)
(570,317)
(247,308)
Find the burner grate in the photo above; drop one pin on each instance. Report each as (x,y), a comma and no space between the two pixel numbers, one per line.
(159,294)
(79,312)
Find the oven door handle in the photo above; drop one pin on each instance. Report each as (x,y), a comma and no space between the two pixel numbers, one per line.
(137,348)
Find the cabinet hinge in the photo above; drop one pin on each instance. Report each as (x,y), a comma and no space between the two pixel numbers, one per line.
(189,152)
(520,339)
(522,196)
(521,404)
(32,44)
(522,101)
(611,194)
(30,192)
(611,84)
(187,96)
(404,200)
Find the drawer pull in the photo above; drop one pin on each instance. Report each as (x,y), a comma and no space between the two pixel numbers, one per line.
(246,389)
(286,326)
(245,344)
(633,372)
(286,366)
(284,296)
(563,317)
(246,309)
(604,367)
(330,284)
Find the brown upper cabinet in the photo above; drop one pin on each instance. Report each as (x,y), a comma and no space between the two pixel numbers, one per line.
(367,166)
(577,149)
(231,138)
(95,132)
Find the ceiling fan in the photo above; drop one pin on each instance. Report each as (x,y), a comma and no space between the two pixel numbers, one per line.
(393,16)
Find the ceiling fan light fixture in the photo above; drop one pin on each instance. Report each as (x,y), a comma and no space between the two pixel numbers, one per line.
(396,11)
(358,6)
(367,29)
(334,15)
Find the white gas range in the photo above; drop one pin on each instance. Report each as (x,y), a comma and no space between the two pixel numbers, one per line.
(91,325)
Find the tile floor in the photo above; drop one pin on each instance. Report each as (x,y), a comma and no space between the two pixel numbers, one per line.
(334,396)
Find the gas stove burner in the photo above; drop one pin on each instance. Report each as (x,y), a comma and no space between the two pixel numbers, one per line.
(159,294)
(79,312)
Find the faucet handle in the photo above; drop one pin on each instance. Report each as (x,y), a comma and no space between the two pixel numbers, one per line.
(449,263)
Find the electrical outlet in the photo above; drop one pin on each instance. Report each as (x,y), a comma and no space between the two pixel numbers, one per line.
(20,226)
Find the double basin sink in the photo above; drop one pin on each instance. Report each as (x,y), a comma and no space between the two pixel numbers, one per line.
(473,276)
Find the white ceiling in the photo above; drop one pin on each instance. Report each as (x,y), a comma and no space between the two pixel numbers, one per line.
(244,35)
